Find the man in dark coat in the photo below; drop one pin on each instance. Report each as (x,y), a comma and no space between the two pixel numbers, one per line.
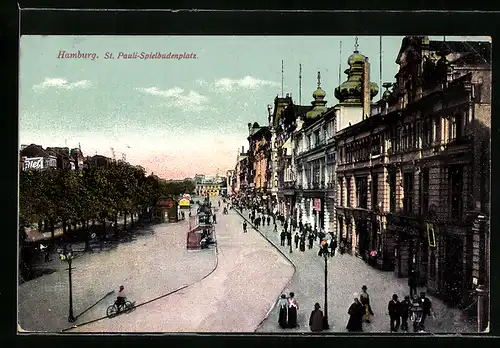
(310,237)
(394,312)
(286,226)
(268,220)
(404,308)
(426,306)
(301,226)
(275,228)
(303,243)
(289,238)
(412,282)
(316,319)
(244,226)
(355,312)
(296,240)
(333,246)
(282,237)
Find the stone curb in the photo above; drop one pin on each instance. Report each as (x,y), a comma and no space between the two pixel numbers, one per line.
(282,253)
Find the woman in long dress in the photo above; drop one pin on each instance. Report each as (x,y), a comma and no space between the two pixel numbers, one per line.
(292,311)
(356,311)
(283,307)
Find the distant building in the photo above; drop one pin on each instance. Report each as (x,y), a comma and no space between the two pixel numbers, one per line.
(206,185)
(98,161)
(35,157)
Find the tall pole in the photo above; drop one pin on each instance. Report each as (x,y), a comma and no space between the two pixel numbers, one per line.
(282,86)
(340,64)
(300,84)
(380,53)
(71,317)
(326,326)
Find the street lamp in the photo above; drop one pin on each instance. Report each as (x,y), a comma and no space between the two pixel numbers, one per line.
(324,253)
(67,255)
(291,242)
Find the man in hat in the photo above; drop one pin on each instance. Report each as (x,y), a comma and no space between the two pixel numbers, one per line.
(316,319)
(394,311)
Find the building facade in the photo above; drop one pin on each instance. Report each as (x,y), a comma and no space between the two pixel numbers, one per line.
(356,222)
(259,155)
(413,178)
(211,186)
(315,165)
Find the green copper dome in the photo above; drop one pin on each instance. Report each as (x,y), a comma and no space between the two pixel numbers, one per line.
(319,102)
(351,91)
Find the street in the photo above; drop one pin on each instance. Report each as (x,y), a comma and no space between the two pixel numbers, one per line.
(346,275)
(235,298)
(153,265)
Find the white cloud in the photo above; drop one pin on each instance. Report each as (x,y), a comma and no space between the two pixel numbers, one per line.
(176,97)
(201,82)
(248,82)
(61,83)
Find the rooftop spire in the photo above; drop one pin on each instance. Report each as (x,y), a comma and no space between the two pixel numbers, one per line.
(356,45)
(319,79)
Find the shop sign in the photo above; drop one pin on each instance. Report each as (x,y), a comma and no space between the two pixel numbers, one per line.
(317,204)
(33,163)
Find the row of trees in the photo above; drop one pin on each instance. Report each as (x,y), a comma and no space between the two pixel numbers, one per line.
(71,198)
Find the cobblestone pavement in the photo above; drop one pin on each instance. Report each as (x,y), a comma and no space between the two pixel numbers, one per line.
(235,298)
(156,263)
(346,275)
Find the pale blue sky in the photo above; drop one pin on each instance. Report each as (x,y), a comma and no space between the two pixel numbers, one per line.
(175,117)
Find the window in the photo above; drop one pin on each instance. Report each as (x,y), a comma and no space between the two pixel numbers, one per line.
(375,145)
(456,127)
(408,192)
(309,142)
(316,138)
(348,191)
(432,268)
(374,191)
(392,189)
(427,132)
(362,192)
(316,173)
(341,191)
(456,184)
(424,189)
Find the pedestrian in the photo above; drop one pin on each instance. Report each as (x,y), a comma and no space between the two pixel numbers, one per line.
(426,304)
(342,246)
(404,308)
(355,312)
(275,228)
(293,306)
(412,282)
(244,227)
(333,246)
(311,240)
(316,319)
(296,240)
(394,310)
(282,237)
(286,226)
(274,219)
(283,306)
(289,238)
(250,215)
(268,220)
(302,243)
(364,298)
(215,219)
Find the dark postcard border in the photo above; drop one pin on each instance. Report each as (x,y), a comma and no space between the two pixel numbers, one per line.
(226,23)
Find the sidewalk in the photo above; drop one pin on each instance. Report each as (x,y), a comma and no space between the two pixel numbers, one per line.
(346,275)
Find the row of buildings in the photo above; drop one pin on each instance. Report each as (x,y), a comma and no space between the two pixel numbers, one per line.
(36,157)
(404,181)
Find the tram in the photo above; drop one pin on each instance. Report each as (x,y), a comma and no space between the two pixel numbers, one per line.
(201,229)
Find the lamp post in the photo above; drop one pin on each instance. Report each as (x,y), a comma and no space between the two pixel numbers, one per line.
(291,242)
(67,255)
(324,252)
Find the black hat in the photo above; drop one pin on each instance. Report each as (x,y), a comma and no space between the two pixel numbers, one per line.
(394,297)
(317,306)
(292,294)
(283,296)
(364,287)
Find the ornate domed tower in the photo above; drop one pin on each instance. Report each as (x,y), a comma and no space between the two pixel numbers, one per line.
(350,93)
(319,104)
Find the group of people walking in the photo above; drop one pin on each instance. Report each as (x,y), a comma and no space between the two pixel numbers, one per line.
(288,308)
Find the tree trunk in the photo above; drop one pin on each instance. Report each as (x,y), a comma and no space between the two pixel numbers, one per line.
(52,233)
(125,221)
(40,226)
(105,236)
(88,237)
(132,220)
